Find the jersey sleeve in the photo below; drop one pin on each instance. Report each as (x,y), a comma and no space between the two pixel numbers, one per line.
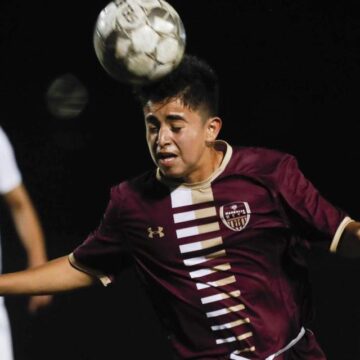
(104,253)
(318,216)
(10,175)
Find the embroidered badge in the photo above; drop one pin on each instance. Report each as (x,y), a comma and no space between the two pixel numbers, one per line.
(235,215)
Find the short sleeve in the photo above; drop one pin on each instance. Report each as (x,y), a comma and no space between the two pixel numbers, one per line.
(325,221)
(105,252)
(10,176)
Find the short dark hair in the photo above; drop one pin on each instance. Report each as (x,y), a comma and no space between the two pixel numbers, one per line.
(193,81)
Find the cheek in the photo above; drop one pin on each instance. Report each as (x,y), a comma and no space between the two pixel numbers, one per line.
(150,142)
(190,147)
(196,138)
(152,151)
(150,138)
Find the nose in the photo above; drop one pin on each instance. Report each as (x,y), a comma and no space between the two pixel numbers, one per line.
(163,138)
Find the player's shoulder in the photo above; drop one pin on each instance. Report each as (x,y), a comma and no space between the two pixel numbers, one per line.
(260,159)
(134,185)
(5,144)
(3,137)
(258,152)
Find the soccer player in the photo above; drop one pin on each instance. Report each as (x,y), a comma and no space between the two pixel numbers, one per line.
(216,233)
(28,229)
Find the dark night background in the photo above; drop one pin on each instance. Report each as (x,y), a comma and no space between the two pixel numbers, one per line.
(289,75)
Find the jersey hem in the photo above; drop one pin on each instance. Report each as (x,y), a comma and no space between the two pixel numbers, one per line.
(335,242)
(104,279)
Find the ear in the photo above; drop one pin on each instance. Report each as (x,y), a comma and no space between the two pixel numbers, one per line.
(213,128)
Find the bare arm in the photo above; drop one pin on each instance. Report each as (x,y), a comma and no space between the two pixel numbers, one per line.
(27,225)
(30,233)
(53,277)
(349,244)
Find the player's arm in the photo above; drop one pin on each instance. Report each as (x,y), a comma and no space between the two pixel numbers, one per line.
(349,244)
(30,233)
(27,225)
(55,276)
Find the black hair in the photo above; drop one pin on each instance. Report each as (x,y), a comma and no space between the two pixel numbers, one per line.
(193,81)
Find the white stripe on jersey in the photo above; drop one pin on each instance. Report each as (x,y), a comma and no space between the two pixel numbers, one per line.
(199,245)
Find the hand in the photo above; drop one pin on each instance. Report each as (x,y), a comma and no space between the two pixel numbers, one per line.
(39,301)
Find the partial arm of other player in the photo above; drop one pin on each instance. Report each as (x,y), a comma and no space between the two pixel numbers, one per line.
(30,233)
(349,244)
(27,225)
(55,276)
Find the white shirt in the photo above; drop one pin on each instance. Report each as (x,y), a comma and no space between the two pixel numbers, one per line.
(10,176)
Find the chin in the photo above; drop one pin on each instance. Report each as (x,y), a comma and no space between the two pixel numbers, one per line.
(172,174)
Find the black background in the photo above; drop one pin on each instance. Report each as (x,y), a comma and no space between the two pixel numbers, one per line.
(289,75)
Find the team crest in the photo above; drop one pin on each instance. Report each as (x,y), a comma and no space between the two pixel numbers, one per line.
(235,215)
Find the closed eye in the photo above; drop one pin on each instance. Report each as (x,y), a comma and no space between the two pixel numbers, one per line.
(176,129)
(152,128)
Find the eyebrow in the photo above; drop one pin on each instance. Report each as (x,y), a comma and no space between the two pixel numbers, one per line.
(175,117)
(170,117)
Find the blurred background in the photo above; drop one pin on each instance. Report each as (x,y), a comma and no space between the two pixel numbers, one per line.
(289,74)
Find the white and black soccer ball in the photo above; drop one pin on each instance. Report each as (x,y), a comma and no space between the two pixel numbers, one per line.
(139,41)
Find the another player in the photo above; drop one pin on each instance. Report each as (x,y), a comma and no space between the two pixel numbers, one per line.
(216,233)
(28,229)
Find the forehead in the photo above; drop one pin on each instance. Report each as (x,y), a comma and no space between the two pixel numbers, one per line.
(166,107)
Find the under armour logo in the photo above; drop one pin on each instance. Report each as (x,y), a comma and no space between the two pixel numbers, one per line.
(159,232)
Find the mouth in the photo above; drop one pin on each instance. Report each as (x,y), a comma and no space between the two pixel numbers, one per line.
(165,159)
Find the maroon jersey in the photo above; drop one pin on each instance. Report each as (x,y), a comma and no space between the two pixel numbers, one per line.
(220,258)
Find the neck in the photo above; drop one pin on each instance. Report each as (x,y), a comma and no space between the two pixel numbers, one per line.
(217,156)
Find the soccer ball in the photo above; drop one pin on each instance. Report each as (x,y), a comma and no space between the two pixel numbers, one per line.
(139,41)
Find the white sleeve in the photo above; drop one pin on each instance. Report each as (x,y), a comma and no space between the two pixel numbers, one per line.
(10,176)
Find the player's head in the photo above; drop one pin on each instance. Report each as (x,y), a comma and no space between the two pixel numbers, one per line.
(194,82)
(181,121)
